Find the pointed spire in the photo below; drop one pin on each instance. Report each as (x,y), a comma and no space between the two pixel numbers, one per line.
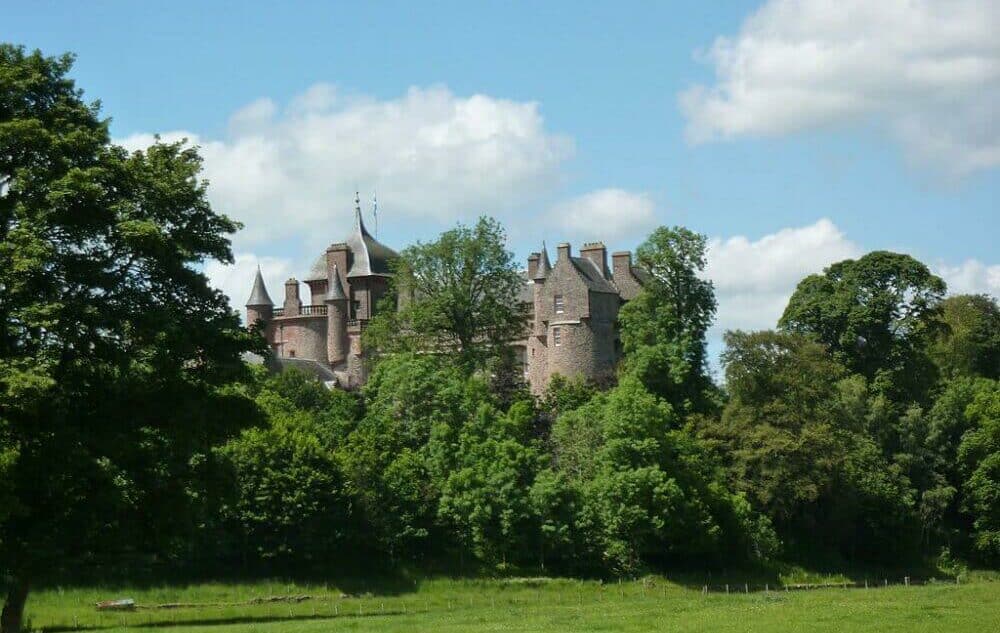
(359,222)
(336,291)
(259,296)
(543,264)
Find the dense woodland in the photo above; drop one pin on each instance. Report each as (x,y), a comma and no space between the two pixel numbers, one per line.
(864,427)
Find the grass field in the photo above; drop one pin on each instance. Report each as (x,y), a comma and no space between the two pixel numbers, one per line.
(653,604)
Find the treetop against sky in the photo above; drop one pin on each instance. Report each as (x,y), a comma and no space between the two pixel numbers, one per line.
(791,134)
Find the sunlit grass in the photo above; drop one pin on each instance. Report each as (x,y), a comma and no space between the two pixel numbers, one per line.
(525,605)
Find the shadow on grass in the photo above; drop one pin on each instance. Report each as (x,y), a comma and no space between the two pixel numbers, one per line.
(224,621)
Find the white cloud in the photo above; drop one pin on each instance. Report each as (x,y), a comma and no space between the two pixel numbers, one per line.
(971,277)
(754,279)
(926,72)
(605,214)
(236,279)
(430,154)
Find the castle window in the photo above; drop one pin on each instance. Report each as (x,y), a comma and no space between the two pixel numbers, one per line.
(557,335)
(291,353)
(558,305)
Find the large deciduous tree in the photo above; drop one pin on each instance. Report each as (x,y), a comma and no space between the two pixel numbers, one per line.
(113,346)
(663,329)
(793,437)
(877,314)
(459,295)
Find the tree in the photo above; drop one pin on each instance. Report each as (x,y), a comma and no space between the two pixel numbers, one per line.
(877,314)
(112,344)
(969,344)
(291,504)
(486,496)
(649,491)
(794,438)
(979,454)
(663,329)
(396,469)
(459,295)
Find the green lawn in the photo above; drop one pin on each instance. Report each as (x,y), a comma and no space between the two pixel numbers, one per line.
(528,605)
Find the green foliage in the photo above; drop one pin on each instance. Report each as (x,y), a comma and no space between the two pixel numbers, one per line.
(113,347)
(969,344)
(793,437)
(649,491)
(458,296)
(291,503)
(486,495)
(877,315)
(979,454)
(663,329)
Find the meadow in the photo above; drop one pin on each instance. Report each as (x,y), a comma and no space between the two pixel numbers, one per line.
(525,604)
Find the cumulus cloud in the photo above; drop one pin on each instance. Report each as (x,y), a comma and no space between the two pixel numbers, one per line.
(927,73)
(754,279)
(605,214)
(971,277)
(236,279)
(431,155)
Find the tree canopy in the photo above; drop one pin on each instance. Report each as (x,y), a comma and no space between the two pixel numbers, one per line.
(877,314)
(458,295)
(113,347)
(663,329)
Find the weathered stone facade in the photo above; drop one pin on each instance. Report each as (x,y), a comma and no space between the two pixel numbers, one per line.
(574,313)
(572,330)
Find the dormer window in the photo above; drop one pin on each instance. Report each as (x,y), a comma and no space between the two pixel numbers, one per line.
(558,304)
(557,336)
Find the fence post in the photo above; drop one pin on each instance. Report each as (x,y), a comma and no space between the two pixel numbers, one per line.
(767,588)
(704,590)
(906,580)
(746,588)
(866,583)
(727,589)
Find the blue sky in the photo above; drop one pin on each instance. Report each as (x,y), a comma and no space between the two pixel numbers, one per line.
(812,131)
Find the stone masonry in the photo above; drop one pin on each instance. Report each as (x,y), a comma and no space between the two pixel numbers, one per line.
(572,328)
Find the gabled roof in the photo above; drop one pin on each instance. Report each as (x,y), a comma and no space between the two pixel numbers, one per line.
(258,295)
(592,276)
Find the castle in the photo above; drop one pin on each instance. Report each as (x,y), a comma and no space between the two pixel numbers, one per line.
(573,306)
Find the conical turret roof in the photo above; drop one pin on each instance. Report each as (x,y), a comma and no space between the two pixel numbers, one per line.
(258,295)
(336,291)
(543,264)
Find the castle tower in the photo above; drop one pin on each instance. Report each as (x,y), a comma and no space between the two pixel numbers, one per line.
(259,305)
(336,319)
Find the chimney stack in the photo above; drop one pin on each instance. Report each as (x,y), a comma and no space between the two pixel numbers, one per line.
(597,252)
(562,251)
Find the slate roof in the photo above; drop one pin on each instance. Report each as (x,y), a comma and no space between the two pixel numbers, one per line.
(368,255)
(337,291)
(258,295)
(592,276)
(543,264)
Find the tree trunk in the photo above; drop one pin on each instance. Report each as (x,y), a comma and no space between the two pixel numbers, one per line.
(13,607)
